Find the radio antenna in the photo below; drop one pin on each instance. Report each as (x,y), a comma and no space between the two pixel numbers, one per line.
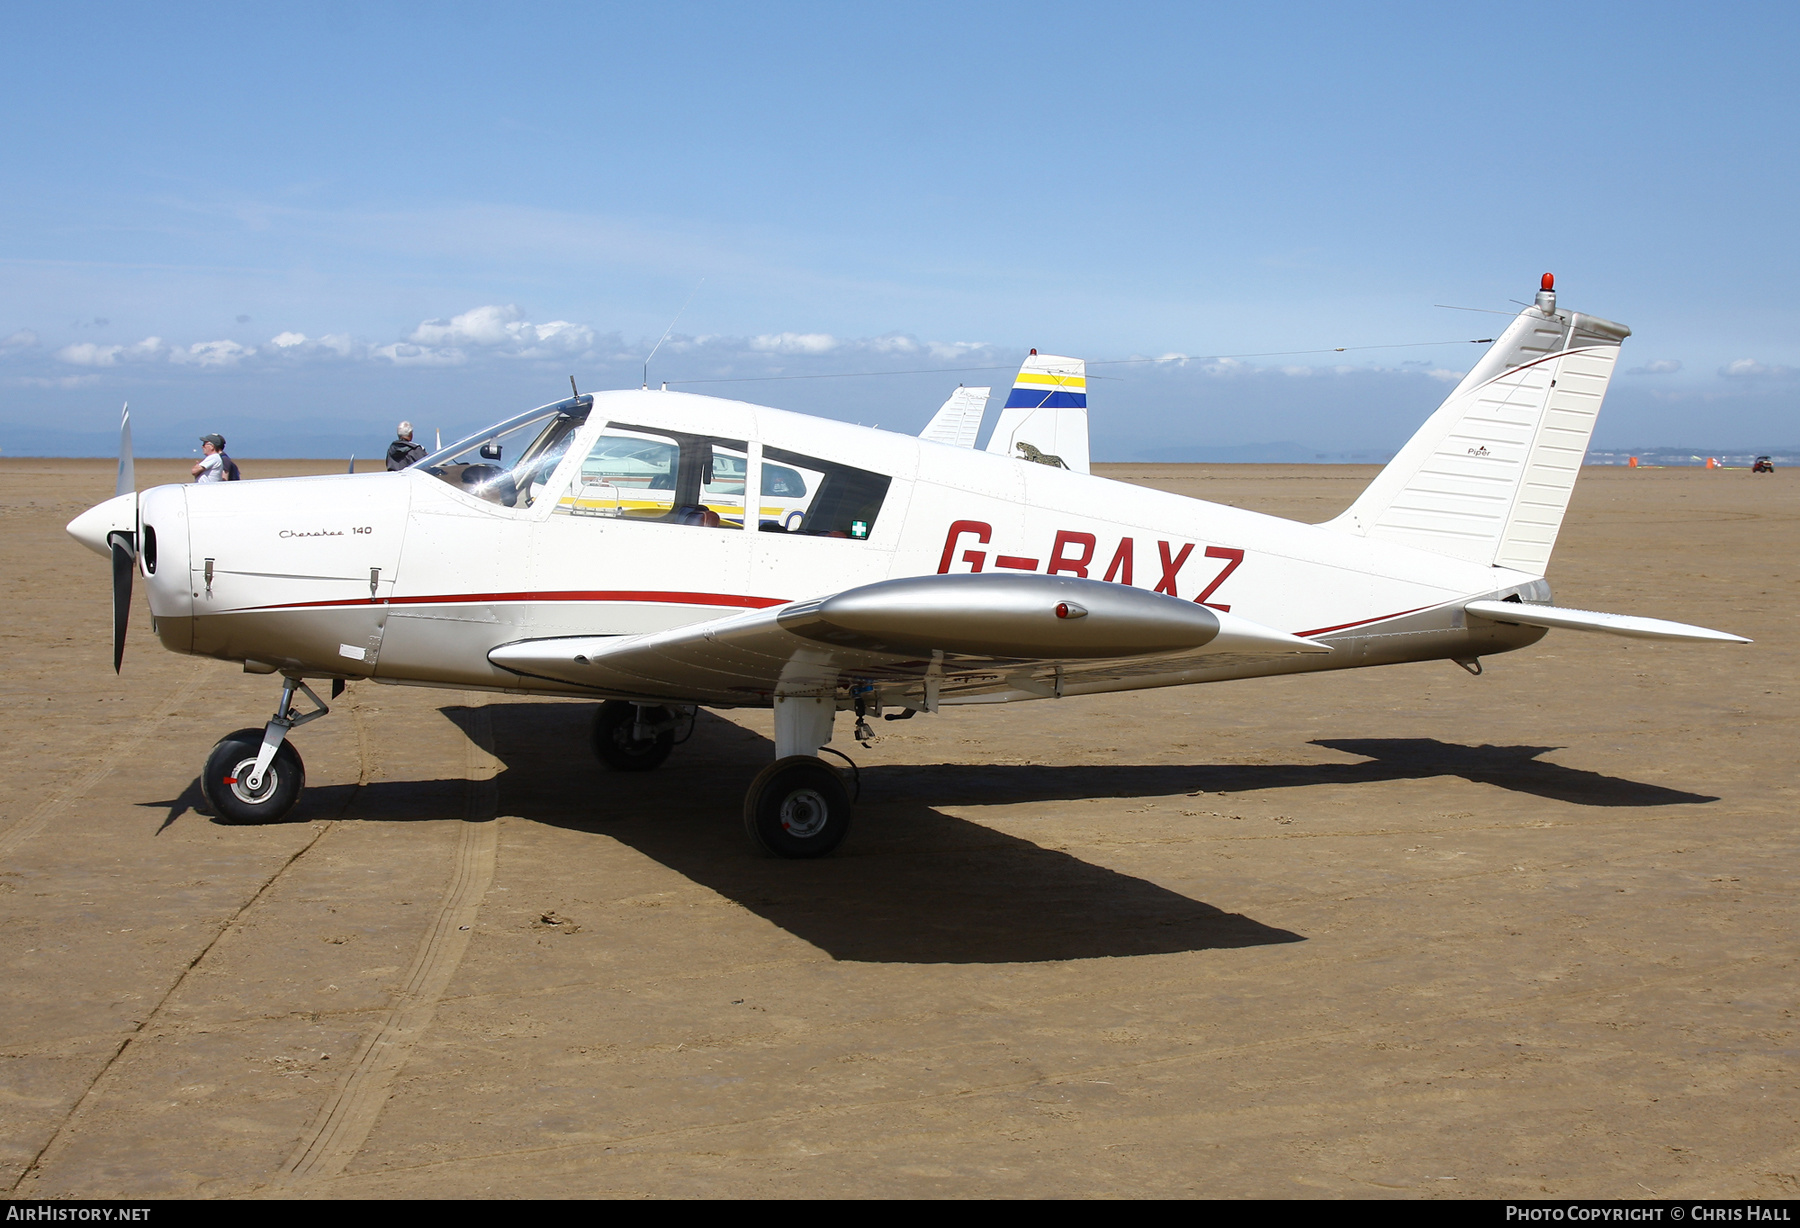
(668,330)
(573,391)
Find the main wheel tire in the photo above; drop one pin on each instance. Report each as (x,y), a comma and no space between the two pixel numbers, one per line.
(616,747)
(231,801)
(797,807)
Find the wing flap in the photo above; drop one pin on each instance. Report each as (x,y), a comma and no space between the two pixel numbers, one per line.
(1520,613)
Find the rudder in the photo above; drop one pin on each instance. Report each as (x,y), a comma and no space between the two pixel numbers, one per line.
(1489,475)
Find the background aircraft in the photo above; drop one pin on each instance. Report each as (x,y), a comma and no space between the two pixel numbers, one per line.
(603,546)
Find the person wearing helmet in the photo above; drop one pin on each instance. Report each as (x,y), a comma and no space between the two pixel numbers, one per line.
(403,452)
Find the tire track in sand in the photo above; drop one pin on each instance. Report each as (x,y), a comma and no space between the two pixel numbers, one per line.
(150,1024)
(344,1123)
(119,752)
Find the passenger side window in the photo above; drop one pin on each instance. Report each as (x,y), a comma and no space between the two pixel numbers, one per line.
(818,498)
(637,473)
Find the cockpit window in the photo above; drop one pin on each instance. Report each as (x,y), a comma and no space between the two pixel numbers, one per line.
(509,463)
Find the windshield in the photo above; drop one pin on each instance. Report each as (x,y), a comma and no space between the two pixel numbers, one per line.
(509,462)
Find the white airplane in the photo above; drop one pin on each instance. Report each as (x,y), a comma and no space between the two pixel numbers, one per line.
(533,558)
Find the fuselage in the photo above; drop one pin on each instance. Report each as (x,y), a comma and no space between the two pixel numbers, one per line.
(409,578)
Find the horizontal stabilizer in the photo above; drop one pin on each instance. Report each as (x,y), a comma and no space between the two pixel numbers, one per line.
(1521,614)
(958,421)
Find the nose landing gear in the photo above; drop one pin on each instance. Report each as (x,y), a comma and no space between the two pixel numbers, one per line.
(256,775)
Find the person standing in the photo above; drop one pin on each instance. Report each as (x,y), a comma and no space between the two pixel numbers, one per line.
(403,452)
(214,465)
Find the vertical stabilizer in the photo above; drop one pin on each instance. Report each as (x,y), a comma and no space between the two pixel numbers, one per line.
(1045,417)
(958,420)
(1489,475)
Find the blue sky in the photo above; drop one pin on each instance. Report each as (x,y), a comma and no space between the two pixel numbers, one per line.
(295,226)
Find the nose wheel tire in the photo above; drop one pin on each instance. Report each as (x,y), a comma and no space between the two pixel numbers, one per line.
(797,807)
(615,744)
(227,769)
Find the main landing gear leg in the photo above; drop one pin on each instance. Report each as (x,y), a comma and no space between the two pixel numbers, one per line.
(798,806)
(256,775)
(634,737)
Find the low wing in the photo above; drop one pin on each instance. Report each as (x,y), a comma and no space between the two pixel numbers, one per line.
(1523,614)
(918,641)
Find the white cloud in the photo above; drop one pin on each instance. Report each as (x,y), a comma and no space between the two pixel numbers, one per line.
(405,354)
(299,345)
(24,339)
(88,354)
(57,381)
(481,326)
(1748,367)
(795,343)
(501,328)
(211,354)
(1657,366)
(562,337)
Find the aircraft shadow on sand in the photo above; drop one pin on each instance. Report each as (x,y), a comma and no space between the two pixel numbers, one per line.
(1516,768)
(916,885)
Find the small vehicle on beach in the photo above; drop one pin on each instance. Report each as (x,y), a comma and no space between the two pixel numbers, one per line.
(1763,465)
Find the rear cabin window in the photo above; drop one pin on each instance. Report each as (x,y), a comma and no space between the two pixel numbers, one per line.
(819,498)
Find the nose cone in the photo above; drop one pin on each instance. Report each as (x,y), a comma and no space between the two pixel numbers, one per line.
(115,515)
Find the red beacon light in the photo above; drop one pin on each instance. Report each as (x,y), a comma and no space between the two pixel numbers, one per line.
(1546,295)
(1548,283)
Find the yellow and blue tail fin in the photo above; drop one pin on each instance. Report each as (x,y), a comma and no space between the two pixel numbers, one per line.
(1045,416)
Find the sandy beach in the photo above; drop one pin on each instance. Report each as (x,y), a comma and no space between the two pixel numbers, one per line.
(1396,932)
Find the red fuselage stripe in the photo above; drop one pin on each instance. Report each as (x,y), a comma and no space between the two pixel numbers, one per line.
(736,600)
(1359,623)
(716,599)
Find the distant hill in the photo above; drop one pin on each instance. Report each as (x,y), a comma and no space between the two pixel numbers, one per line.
(1284,453)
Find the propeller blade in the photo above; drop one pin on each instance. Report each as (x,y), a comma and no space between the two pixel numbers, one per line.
(353,462)
(123,560)
(127,471)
